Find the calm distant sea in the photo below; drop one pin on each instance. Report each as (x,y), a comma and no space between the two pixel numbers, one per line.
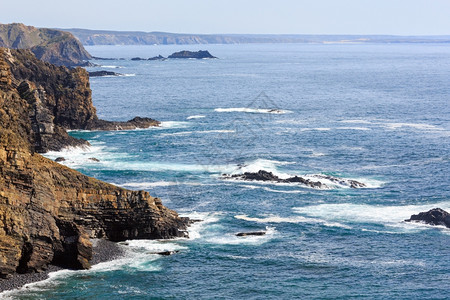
(378,114)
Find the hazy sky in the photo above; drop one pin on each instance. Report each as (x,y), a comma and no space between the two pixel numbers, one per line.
(400,17)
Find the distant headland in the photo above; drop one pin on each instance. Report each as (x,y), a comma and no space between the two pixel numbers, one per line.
(105,37)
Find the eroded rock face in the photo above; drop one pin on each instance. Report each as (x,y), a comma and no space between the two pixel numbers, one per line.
(48,212)
(59,99)
(435,216)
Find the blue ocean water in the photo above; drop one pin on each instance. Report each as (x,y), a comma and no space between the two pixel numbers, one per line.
(379,114)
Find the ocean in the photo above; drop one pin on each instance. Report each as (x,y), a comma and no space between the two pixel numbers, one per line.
(375,113)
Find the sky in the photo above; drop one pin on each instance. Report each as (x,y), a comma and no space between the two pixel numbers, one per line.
(396,17)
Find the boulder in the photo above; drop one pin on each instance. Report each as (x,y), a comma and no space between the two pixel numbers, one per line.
(60,159)
(435,216)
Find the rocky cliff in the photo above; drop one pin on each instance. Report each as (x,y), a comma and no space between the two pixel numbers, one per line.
(60,99)
(54,46)
(49,212)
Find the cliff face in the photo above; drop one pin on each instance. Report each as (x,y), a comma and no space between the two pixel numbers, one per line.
(48,212)
(59,99)
(53,46)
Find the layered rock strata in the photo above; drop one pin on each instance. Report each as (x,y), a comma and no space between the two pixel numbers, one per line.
(49,212)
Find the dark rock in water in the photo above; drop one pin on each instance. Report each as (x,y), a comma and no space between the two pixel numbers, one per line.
(94,159)
(159,57)
(192,54)
(251,233)
(103,73)
(436,216)
(59,159)
(134,123)
(346,182)
(137,58)
(165,253)
(262,175)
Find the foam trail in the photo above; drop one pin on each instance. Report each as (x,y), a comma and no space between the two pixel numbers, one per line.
(356,121)
(111,67)
(294,220)
(232,239)
(420,126)
(198,229)
(392,216)
(253,110)
(174,124)
(195,117)
(196,132)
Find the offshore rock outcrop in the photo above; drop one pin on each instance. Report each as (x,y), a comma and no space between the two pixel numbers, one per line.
(50,45)
(48,212)
(435,216)
(192,54)
(262,175)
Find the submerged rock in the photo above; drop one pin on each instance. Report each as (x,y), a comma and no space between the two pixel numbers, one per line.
(59,159)
(435,216)
(251,233)
(192,54)
(94,159)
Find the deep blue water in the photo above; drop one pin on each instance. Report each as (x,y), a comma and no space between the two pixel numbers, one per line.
(379,114)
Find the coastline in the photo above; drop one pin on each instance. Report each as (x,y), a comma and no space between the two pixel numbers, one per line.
(103,251)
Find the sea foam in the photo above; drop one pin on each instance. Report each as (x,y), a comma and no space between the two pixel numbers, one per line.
(253,110)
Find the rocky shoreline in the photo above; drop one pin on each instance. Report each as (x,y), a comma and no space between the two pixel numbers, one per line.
(48,212)
(103,251)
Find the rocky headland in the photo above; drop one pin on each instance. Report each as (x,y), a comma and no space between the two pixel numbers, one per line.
(54,46)
(49,213)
